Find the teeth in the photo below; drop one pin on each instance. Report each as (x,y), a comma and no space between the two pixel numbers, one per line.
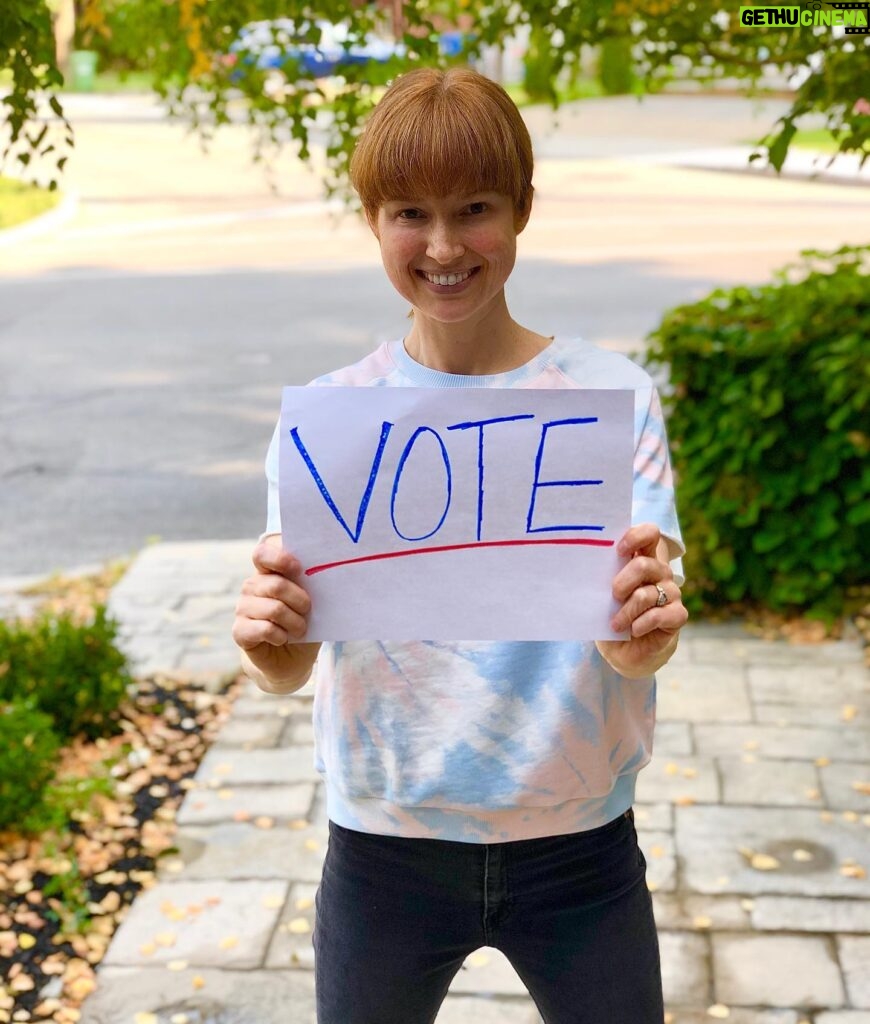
(447,279)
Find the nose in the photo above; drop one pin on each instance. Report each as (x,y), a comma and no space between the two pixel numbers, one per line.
(444,244)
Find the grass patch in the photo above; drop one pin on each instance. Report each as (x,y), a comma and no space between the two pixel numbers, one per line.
(582,89)
(819,140)
(20,202)
(121,81)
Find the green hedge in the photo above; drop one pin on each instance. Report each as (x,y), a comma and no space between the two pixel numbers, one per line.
(767,419)
(28,749)
(72,672)
(616,66)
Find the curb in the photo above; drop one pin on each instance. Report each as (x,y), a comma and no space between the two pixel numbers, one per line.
(44,223)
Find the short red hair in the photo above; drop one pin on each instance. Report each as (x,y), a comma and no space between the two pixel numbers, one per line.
(437,133)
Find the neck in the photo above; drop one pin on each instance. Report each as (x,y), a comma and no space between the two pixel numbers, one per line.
(492,342)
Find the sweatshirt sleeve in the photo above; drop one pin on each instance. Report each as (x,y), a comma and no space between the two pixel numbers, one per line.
(653,498)
(273,504)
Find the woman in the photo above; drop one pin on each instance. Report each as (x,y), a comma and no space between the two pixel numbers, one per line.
(509,823)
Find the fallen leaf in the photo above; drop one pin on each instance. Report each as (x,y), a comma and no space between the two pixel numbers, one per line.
(690,773)
(225,794)
(312,844)
(241,815)
(197,981)
(747,905)
(719,1011)
(850,816)
(684,801)
(177,965)
(764,862)
(656,851)
(812,794)
(298,823)
(148,949)
(146,1018)
(229,942)
(672,769)
(862,787)
(822,762)
(166,939)
(852,870)
(749,745)
(179,1018)
(299,926)
(304,903)
(273,901)
(26,941)
(849,712)
(702,921)
(802,855)
(264,822)
(477,960)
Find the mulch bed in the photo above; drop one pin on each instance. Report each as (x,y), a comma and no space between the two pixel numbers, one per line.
(62,896)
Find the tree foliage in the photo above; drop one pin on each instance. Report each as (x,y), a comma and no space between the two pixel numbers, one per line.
(185,42)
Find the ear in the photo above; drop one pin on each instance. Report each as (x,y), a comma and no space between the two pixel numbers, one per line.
(522,215)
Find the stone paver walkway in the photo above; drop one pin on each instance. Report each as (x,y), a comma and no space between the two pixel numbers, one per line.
(754,817)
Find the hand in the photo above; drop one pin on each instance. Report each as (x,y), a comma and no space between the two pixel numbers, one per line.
(272,613)
(654,631)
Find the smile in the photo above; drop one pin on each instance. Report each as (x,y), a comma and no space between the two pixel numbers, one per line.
(448,280)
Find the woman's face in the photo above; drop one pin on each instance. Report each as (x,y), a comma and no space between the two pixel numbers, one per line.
(449,257)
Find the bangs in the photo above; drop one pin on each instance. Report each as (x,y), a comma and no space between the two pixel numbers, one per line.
(442,133)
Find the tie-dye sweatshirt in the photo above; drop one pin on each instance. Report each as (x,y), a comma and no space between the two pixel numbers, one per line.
(488,742)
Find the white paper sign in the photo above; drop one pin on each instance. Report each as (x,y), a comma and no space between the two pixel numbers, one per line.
(467,514)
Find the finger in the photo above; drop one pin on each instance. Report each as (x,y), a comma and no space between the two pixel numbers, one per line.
(264,619)
(642,600)
(278,588)
(642,539)
(639,572)
(271,558)
(669,619)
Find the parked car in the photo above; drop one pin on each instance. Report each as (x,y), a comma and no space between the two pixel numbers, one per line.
(268,45)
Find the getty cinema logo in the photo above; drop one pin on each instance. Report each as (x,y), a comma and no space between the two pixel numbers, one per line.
(853,17)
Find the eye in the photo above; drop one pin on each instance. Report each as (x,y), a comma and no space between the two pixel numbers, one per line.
(475,208)
(409,214)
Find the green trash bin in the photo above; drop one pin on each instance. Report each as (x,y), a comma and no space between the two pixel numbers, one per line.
(83,70)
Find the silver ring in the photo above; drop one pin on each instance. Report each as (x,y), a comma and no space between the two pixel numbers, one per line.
(662,598)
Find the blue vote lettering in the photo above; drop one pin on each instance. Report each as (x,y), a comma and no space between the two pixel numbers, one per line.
(370,486)
(399,470)
(538,483)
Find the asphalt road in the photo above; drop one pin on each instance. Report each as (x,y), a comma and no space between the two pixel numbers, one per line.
(144,340)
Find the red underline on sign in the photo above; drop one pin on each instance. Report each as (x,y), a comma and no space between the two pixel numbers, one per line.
(586,541)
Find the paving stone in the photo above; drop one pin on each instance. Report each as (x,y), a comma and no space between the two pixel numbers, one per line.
(843,1017)
(855,958)
(789,784)
(672,739)
(226,997)
(661,864)
(680,911)
(678,778)
(799,914)
(702,693)
(738,1016)
(297,733)
(235,851)
(724,650)
(218,660)
(243,913)
(818,715)
(709,839)
(810,684)
(654,817)
(838,785)
(283,803)
(260,731)
(685,967)
(292,947)
(257,767)
(776,970)
(462,1009)
(273,707)
(488,970)
(849,742)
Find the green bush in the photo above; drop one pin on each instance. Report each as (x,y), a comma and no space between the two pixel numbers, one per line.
(767,418)
(539,68)
(73,672)
(28,748)
(616,66)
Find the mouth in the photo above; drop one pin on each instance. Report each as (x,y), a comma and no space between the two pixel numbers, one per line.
(448,282)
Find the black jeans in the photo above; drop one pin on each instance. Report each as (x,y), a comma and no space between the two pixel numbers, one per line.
(396,917)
